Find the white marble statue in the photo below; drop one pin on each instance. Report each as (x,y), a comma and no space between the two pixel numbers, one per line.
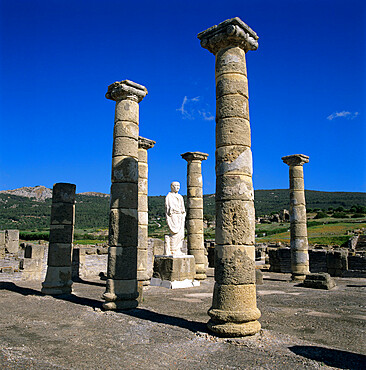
(175,218)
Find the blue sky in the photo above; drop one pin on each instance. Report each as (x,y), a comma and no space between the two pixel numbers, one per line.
(57,58)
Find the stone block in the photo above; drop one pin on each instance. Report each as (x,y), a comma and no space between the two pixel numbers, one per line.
(126,129)
(296,183)
(62,214)
(34,251)
(124,169)
(142,186)
(296,171)
(194,192)
(58,281)
(59,254)
(231,187)
(234,265)
(127,110)
(297,214)
(233,131)
(143,218)
(297,197)
(258,277)
(194,179)
(142,156)
(194,226)
(319,281)
(236,300)
(142,203)
(63,193)
(194,166)
(121,290)
(234,159)
(199,256)
(230,60)
(125,146)
(143,170)
(174,268)
(142,259)
(299,244)
(123,195)
(231,83)
(235,222)
(61,234)
(194,203)
(232,106)
(337,262)
(298,230)
(123,227)
(122,263)
(194,213)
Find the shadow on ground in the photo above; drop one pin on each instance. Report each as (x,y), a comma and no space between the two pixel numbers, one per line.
(331,357)
(140,313)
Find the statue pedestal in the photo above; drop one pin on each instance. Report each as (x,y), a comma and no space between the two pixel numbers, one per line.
(174,272)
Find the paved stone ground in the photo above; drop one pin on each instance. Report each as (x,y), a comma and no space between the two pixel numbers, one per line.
(302,329)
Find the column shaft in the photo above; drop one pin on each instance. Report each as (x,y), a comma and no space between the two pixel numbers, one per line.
(234,310)
(121,289)
(58,277)
(298,228)
(143,217)
(195,236)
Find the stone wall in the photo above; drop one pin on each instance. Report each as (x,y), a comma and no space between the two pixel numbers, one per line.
(336,262)
(89,263)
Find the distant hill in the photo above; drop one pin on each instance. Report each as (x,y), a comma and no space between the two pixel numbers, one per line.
(29,208)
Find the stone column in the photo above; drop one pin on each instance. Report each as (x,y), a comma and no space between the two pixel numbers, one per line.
(121,290)
(195,238)
(143,217)
(58,277)
(298,230)
(234,309)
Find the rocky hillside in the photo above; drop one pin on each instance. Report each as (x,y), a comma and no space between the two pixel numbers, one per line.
(40,193)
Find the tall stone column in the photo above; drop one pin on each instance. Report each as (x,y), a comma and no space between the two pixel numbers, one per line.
(121,290)
(298,229)
(195,237)
(234,309)
(143,216)
(58,277)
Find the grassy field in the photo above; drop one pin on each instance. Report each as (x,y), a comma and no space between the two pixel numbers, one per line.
(322,231)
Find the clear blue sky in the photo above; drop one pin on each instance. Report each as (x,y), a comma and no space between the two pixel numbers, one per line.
(306,87)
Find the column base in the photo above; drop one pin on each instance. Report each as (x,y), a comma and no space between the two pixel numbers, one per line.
(56,290)
(121,294)
(230,329)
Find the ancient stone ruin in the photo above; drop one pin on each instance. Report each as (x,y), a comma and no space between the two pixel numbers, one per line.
(195,237)
(298,228)
(121,290)
(143,273)
(58,277)
(234,310)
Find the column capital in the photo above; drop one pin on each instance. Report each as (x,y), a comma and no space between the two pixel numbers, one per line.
(295,159)
(146,143)
(190,156)
(126,89)
(232,32)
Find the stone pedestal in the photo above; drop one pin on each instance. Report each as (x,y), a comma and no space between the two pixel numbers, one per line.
(298,228)
(12,241)
(174,272)
(234,309)
(143,216)
(58,277)
(319,281)
(32,263)
(194,219)
(121,288)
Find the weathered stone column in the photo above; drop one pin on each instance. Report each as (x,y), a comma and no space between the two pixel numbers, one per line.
(58,277)
(121,290)
(143,214)
(195,237)
(298,229)
(234,309)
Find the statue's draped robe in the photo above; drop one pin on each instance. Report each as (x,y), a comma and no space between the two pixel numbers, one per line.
(175,218)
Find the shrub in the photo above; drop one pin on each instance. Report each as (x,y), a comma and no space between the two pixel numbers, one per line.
(358,215)
(340,214)
(321,214)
